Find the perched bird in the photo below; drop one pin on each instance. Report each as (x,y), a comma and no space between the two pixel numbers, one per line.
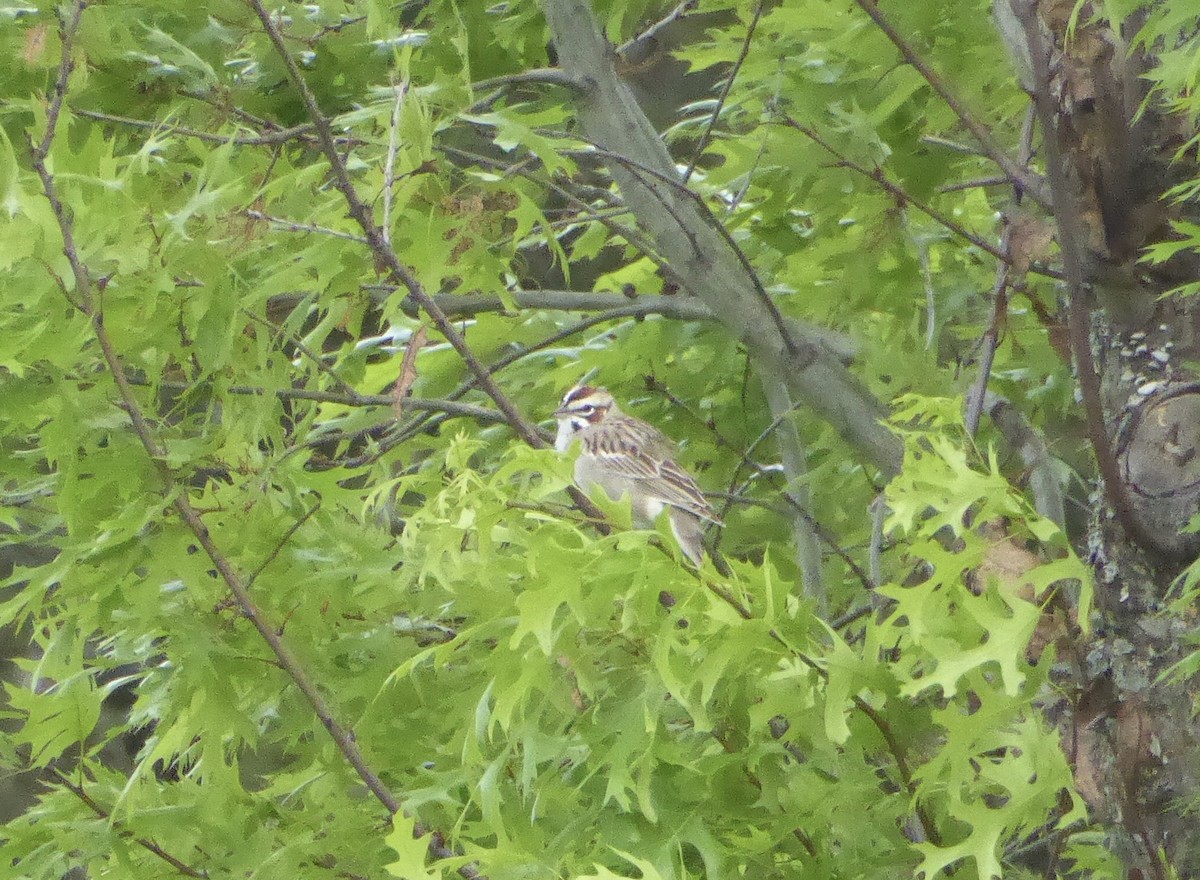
(624,455)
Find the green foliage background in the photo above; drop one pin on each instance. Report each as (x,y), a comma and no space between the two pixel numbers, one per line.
(556,703)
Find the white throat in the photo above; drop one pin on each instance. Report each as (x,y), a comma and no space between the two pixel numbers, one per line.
(567,431)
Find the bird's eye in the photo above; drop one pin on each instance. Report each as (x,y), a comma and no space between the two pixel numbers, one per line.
(587,409)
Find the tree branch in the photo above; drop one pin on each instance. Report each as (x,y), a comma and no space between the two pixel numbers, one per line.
(652,32)
(383,252)
(86,302)
(283,136)
(552,76)
(686,234)
(179,865)
(899,193)
(448,407)
(795,472)
(680,308)
(1070,238)
(737,66)
(1029,182)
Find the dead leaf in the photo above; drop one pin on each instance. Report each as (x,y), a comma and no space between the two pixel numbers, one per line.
(1004,567)
(1029,240)
(35,43)
(408,369)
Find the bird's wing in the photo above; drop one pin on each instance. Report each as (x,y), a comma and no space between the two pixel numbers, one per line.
(628,453)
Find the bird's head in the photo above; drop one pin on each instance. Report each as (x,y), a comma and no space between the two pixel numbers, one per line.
(582,406)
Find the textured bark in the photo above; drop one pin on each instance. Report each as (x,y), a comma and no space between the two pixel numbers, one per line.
(1137,761)
(692,242)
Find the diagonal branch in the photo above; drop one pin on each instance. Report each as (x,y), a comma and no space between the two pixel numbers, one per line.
(87,299)
(687,235)
(899,193)
(283,136)
(386,256)
(383,252)
(1071,237)
(733,72)
(1029,182)
(146,843)
(651,33)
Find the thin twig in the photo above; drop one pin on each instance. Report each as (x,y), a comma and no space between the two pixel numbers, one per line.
(760,291)
(348,390)
(991,338)
(1071,237)
(651,32)
(922,246)
(794,456)
(977,183)
(702,144)
(293,226)
(448,407)
(144,842)
(632,236)
(903,196)
(86,303)
(541,76)
(283,136)
(281,543)
(734,495)
(1029,182)
(428,421)
(389,165)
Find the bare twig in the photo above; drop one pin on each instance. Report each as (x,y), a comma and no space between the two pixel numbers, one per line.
(878,510)
(543,76)
(635,238)
(795,465)
(144,842)
(991,338)
(653,30)
(86,303)
(922,246)
(823,534)
(702,144)
(1029,182)
(638,170)
(900,194)
(350,392)
(682,308)
(389,165)
(956,147)
(293,226)
(1071,237)
(379,246)
(282,136)
(281,543)
(977,183)
(447,407)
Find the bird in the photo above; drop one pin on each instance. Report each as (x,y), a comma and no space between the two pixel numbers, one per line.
(624,455)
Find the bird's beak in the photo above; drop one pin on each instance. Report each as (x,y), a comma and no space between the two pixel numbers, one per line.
(561,412)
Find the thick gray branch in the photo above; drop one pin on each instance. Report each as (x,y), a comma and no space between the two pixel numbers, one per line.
(681,308)
(795,468)
(686,234)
